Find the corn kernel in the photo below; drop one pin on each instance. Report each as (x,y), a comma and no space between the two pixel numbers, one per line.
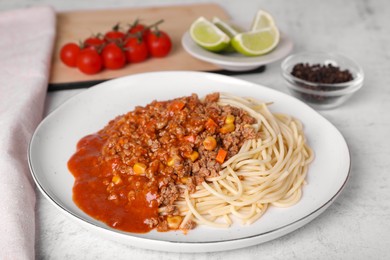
(173,160)
(209,143)
(229,119)
(116,179)
(184,180)
(174,221)
(194,155)
(139,168)
(227,128)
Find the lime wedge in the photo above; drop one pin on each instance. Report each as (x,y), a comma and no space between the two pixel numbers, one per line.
(262,20)
(208,35)
(229,29)
(255,43)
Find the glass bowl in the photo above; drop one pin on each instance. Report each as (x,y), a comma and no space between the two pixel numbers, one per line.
(322,95)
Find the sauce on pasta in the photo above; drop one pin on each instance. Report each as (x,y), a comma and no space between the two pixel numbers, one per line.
(179,163)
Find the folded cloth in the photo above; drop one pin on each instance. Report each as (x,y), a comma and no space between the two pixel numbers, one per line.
(26,43)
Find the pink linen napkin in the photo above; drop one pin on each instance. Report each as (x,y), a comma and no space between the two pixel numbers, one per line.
(26,42)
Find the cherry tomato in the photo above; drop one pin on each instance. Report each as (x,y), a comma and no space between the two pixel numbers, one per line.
(138,28)
(136,50)
(89,61)
(159,43)
(114,35)
(94,42)
(69,53)
(113,57)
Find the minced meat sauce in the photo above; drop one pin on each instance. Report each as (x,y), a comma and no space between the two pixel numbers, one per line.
(136,164)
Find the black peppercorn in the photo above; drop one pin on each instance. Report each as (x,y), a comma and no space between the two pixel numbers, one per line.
(318,73)
(322,74)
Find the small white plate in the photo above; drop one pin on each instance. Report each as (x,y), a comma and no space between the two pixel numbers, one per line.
(55,139)
(236,61)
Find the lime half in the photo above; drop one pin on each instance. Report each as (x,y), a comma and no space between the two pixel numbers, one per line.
(208,35)
(262,20)
(255,43)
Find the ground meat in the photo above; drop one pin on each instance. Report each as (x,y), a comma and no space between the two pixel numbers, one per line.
(213,110)
(189,225)
(213,97)
(195,167)
(167,138)
(162,225)
(169,194)
(171,210)
(151,222)
(191,184)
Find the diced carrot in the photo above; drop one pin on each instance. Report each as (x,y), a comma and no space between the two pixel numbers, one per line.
(221,155)
(190,138)
(211,125)
(177,105)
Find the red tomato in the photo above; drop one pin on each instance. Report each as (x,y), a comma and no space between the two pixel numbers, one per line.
(141,29)
(89,61)
(113,57)
(114,35)
(93,42)
(136,50)
(159,44)
(69,53)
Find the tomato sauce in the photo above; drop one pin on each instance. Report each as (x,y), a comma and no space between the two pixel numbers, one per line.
(128,207)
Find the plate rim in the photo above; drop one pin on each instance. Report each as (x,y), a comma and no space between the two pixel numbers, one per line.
(190,245)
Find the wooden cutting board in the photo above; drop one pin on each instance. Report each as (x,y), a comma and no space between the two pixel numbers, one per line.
(78,25)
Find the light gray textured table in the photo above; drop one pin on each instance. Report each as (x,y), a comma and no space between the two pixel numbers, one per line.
(357,224)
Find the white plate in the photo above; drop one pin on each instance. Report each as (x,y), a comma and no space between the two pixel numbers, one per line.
(54,141)
(236,61)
